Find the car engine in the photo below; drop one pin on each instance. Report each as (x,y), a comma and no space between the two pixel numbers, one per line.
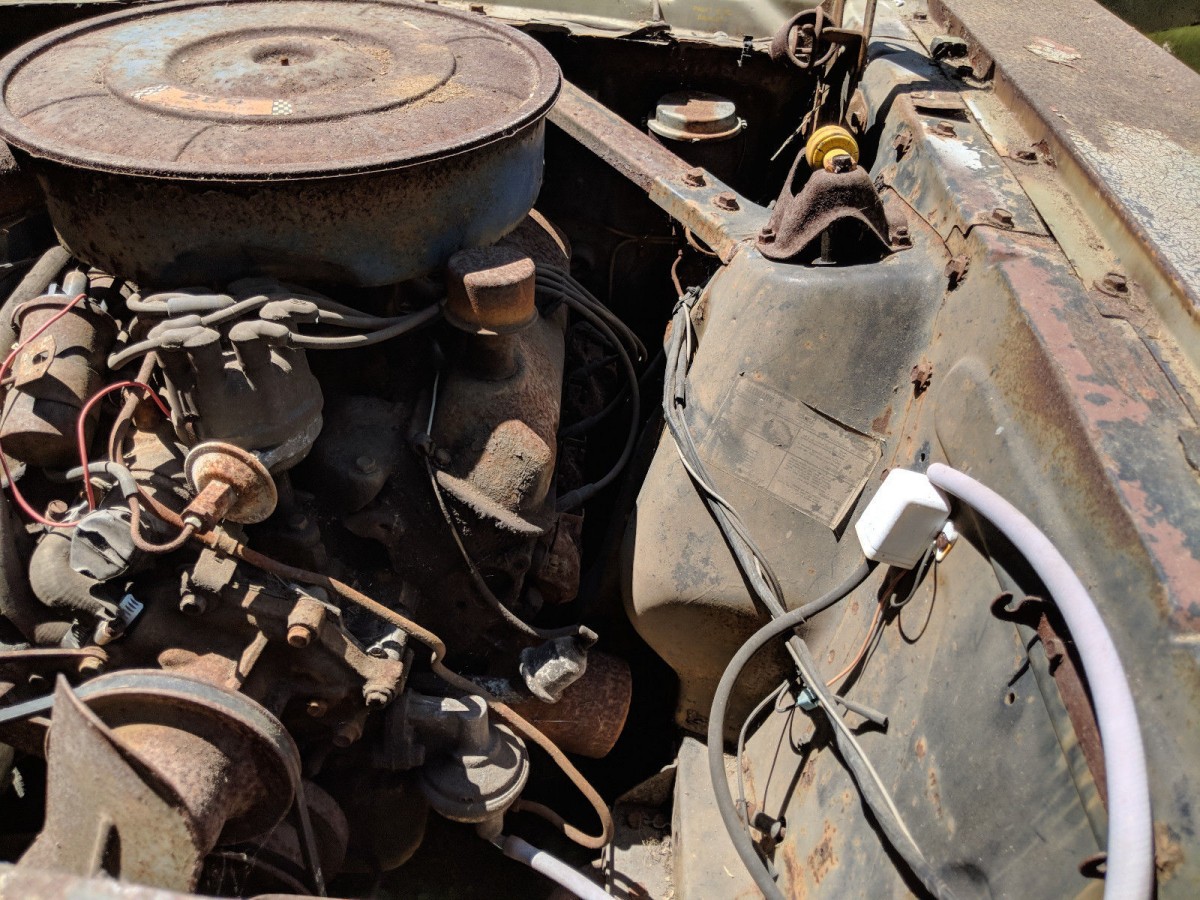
(416,421)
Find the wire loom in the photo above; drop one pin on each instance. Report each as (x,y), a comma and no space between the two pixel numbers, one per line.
(767,592)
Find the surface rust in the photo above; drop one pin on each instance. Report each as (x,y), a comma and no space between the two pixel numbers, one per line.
(687,194)
(1123,112)
(256,90)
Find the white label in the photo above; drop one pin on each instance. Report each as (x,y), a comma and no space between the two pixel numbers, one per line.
(812,463)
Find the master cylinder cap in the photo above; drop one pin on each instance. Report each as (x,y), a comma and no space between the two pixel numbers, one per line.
(490,290)
(695,116)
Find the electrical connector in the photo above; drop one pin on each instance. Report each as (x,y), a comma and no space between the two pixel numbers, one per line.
(902,519)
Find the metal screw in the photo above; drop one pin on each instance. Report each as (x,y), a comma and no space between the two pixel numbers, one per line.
(1116,282)
(726,200)
(193,604)
(316,708)
(376,697)
(299,635)
(1002,217)
(694,177)
(366,465)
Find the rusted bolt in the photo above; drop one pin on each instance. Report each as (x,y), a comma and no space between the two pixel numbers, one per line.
(945,129)
(726,200)
(956,271)
(56,510)
(366,465)
(694,177)
(1056,652)
(900,236)
(316,708)
(376,697)
(1116,283)
(1002,217)
(347,733)
(766,234)
(838,162)
(193,604)
(91,665)
(920,376)
(300,635)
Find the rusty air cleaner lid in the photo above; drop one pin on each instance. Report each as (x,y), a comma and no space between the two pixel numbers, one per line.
(261,89)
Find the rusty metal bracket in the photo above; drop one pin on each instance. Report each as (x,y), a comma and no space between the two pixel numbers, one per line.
(710,209)
(1032,612)
(828,198)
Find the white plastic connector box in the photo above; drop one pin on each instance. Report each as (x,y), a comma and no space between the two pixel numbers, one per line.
(902,519)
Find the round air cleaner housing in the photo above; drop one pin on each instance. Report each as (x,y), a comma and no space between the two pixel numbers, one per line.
(353,141)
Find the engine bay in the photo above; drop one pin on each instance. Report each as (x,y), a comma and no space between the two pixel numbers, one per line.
(420,412)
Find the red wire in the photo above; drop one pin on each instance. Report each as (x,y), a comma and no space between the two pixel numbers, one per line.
(81,426)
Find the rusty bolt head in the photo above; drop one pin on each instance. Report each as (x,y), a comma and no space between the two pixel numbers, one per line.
(1116,283)
(366,465)
(1055,649)
(193,604)
(1002,217)
(56,510)
(945,129)
(838,162)
(921,376)
(316,708)
(299,635)
(726,200)
(766,235)
(900,236)
(377,697)
(694,177)
(956,270)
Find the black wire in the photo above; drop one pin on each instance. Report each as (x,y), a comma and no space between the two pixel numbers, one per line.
(716,724)
(581,495)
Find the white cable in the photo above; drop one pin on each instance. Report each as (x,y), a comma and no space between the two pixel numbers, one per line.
(1130,869)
